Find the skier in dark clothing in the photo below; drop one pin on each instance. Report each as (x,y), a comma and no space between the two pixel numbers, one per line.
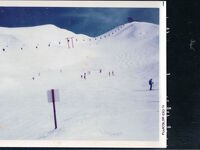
(151,84)
(112,73)
(100,70)
(85,76)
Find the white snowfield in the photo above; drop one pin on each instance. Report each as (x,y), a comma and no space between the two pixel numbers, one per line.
(99,107)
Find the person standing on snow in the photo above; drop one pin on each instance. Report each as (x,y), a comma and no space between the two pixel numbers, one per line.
(112,73)
(150,84)
(100,70)
(85,76)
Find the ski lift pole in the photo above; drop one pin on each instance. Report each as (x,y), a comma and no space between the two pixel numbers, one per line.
(72,42)
(68,42)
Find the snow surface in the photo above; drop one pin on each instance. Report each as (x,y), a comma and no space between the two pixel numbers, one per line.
(100,107)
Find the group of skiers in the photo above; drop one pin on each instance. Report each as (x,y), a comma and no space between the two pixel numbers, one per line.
(84,75)
(110,73)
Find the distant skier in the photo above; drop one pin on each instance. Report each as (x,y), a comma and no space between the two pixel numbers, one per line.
(100,70)
(81,76)
(33,78)
(85,76)
(37,46)
(150,84)
(109,74)
(112,73)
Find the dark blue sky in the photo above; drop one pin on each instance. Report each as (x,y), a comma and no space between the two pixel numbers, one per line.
(89,21)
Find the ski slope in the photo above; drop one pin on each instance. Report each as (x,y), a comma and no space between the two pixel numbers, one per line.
(100,107)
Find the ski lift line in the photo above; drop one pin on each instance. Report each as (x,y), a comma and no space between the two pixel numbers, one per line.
(115,30)
(110,32)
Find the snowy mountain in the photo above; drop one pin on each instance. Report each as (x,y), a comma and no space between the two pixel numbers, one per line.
(111,104)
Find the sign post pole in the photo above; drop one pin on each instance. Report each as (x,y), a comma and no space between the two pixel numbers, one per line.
(54,108)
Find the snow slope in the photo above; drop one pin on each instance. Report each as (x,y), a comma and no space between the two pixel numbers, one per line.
(100,107)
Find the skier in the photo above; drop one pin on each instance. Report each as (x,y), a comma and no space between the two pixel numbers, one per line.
(109,74)
(81,76)
(85,76)
(37,46)
(112,73)
(100,70)
(150,84)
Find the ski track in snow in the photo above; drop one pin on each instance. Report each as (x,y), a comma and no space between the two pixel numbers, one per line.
(100,107)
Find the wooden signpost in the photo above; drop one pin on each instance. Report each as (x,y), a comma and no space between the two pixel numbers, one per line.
(53,96)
